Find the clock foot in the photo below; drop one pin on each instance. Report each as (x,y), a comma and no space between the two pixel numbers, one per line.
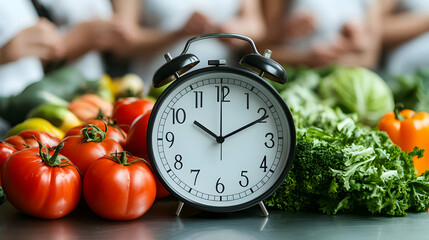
(263,208)
(179,208)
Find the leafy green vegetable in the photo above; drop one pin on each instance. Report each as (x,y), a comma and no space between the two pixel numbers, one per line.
(342,166)
(57,86)
(358,90)
(419,191)
(301,75)
(412,91)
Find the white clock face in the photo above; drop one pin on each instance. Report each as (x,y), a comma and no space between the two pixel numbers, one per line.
(221,139)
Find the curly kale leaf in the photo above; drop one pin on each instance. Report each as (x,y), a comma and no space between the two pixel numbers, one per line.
(419,191)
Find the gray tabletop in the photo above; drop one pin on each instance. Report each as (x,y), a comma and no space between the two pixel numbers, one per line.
(160,222)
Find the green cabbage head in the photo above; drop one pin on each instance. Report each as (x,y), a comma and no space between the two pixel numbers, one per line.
(358,90)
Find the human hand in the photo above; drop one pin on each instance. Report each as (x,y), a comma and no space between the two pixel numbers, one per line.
(198,24)
(320,56)
(126,35)
(298,25)
(98,35)
(103,34)
(41,40)
(354,36)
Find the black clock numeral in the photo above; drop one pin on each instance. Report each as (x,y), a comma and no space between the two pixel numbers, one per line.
(220,188)
(264,113)
(270,143)
(246,179)
(222,93)
(178,164)
(247,100)
(198,99)
(179,115)
(170,138)
(196,171)
(264,164)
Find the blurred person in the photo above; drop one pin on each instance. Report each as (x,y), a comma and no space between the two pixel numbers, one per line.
(26,42)
(75,34)
(38,35)
(87,30)
(316,33)
(152,28)
(405,35)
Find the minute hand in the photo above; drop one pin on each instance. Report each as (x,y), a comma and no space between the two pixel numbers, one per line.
(246,126)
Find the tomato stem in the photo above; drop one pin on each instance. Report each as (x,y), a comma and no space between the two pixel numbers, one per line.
(57,151)
(56,160)
(122,158)
(92,133)
(100,115)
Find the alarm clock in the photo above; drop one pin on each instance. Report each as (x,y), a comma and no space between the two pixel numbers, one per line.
(220,138)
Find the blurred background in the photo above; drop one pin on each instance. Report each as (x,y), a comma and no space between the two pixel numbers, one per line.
(100,40)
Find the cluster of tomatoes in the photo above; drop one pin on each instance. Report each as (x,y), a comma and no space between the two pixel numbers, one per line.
(103,162)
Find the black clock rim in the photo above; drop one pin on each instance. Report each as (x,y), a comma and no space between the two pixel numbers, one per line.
(284,107)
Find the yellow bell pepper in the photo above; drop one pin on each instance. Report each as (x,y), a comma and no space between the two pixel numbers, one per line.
(39,124)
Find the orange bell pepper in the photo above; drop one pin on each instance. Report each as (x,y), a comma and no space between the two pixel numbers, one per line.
(408,129)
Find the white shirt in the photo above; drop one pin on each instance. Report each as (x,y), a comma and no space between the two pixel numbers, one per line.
(15,76)
(167,15)
(414,54)
(330,17)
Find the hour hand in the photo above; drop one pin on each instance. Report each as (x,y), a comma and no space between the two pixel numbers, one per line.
(205,129)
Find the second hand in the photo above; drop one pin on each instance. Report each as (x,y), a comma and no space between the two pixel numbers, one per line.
(221,99)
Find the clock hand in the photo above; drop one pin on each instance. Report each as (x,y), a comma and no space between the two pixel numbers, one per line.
(218,138)
(245,126)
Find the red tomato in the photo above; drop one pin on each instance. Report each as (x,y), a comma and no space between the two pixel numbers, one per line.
(119,189)
(136,140)
(27,138)
(23,140)
(136,145)
(39,186)
(82,151)
(113,131)
(126,110)
(5,151)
